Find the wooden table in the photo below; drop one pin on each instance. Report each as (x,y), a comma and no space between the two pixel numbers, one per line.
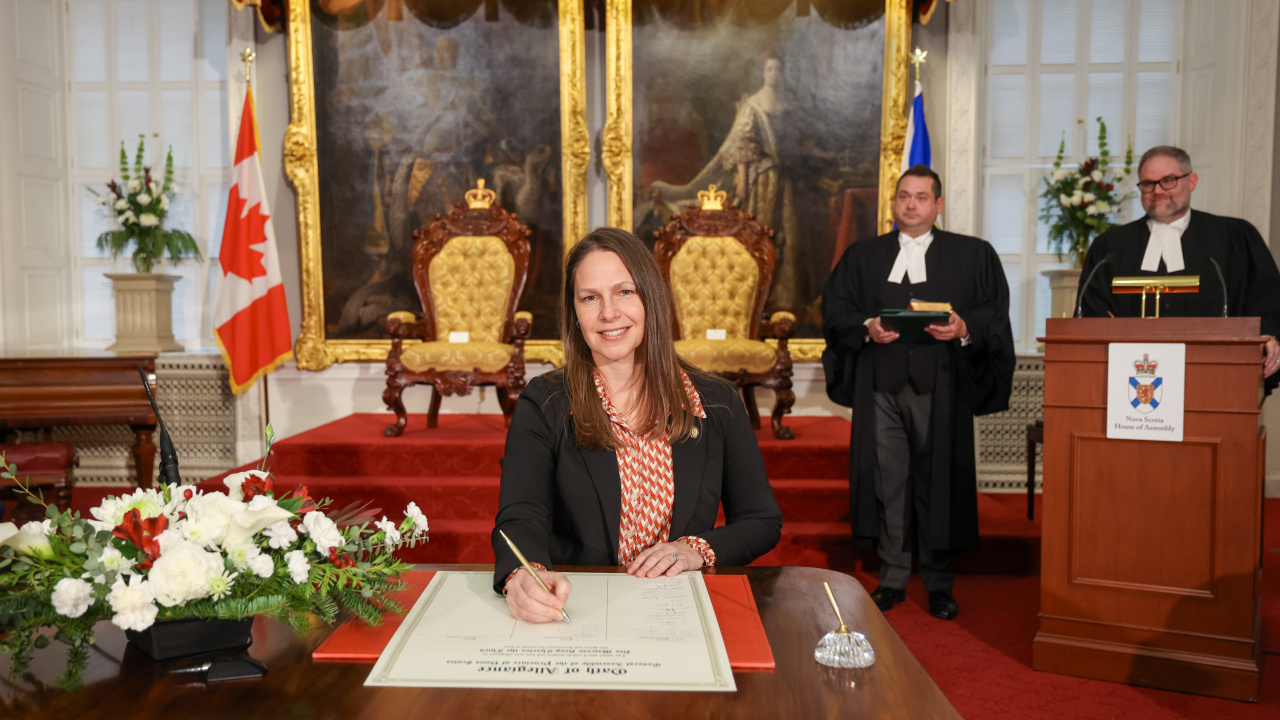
(121,682)
(39,392)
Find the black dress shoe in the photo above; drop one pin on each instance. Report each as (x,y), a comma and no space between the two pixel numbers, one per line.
(942,604)
(886,597)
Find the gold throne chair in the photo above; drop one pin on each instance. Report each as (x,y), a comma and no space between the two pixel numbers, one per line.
(719,264)
(470,268)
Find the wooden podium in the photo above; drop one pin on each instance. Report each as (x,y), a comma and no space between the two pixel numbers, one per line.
(1151,559)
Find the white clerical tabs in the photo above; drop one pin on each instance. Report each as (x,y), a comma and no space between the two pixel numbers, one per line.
(1146,391)
(717,334)
(459,336)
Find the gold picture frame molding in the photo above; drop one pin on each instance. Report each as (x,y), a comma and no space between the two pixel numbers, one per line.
(616,144)
(312,349)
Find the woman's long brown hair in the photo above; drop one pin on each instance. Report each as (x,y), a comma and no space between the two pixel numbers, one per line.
(662,394)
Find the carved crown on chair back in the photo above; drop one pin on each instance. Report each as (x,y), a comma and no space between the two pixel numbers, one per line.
(469,266)
(719,264)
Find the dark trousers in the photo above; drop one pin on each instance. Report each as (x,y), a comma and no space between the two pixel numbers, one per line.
(902,490)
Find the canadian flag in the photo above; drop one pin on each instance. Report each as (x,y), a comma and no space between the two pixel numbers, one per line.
(250,317)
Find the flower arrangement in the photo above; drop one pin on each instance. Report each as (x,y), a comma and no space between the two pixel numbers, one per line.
(140,205)
(180,553)
(1083,203)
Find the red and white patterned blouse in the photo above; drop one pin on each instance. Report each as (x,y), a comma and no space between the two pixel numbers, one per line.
(648,483)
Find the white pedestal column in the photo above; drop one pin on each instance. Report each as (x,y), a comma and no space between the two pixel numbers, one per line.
(144,312)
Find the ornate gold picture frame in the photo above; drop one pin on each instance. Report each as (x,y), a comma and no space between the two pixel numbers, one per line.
(690,79)
(397,182)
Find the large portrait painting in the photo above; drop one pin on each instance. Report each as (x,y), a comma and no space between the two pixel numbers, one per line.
(780,103)
(413,102)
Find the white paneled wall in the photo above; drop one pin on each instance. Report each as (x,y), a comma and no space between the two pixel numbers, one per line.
(34,275)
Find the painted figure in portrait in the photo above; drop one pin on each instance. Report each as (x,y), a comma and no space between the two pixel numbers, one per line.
(415,102)
(780,108)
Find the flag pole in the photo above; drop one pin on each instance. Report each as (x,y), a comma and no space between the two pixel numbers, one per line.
(248,56)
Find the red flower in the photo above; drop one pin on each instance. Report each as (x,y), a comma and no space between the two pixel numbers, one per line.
(254,486)
(143,534)
(300,492)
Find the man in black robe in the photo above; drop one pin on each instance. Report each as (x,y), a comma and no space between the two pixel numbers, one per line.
(1173,239)
(912,475)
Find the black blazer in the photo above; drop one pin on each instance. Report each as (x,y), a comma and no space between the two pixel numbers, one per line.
(561,505)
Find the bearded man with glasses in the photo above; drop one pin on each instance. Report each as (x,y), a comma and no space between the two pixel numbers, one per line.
(1173,239)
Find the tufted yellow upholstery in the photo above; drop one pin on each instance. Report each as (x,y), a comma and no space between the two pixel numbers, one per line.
(714,281)
(470,285)
(729,355)
(443,356)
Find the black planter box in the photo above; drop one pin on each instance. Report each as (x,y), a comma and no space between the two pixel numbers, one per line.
(179,638)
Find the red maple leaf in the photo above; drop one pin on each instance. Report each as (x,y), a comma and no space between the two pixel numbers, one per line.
(143,534)
(242,230)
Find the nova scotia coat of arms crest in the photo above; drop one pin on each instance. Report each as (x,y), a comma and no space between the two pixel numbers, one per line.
(1144,386)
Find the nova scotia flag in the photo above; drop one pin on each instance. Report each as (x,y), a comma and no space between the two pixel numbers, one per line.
(916,150)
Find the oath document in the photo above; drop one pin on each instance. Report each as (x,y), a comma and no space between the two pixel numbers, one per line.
(627,633)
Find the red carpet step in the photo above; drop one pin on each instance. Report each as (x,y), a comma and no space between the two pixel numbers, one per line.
(452,472)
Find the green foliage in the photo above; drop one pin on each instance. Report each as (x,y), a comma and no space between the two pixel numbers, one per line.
(354,578)
(1082,203)
(139,204)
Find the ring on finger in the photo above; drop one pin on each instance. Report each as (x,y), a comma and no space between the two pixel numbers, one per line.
(675,556)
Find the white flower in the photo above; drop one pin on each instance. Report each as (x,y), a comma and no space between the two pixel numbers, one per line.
(71,597)
(208,518)
(1103,207)
(126,217)
(1080,183)
(1077,198)
(1090,197)
(1091,210)
(262,566)
(173,190)
(24,542)
(1065,200)
(148,503)
(184,572)
(220,585)
(102,201)
(148,220)
(281,535)
(1096,175)
(388,527)
(1060,174)
(152,186)
(323,531)
(299,568)
(241,553)
(133,186)
(132,603)
(110,561)
(419,520)
(235,481)
(39,527)
(121,204)
(164,202)
(262,512)
(144,199)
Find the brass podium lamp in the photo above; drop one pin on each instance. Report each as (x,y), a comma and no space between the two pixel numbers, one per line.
(1157,285)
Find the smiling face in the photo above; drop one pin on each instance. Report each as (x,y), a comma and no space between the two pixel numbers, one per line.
(915,207)
(610,312)
(1165,206)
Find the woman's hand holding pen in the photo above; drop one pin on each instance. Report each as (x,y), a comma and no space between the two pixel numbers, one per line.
(668,559)
(531,603)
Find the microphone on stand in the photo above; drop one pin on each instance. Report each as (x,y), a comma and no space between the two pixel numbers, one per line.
(168,456)
(1083,288)
(1223,282)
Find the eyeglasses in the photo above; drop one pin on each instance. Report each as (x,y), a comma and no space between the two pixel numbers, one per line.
(1168,182)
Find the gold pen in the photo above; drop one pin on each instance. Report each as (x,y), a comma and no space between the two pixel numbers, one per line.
(534,573)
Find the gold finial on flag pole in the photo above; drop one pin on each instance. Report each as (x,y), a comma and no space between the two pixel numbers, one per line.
(917,59)
(248,56)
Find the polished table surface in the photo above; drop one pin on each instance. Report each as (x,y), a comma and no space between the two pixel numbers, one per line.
(121,682)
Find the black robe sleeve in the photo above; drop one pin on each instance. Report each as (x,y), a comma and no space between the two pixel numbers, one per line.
(843,325)
(984,368)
